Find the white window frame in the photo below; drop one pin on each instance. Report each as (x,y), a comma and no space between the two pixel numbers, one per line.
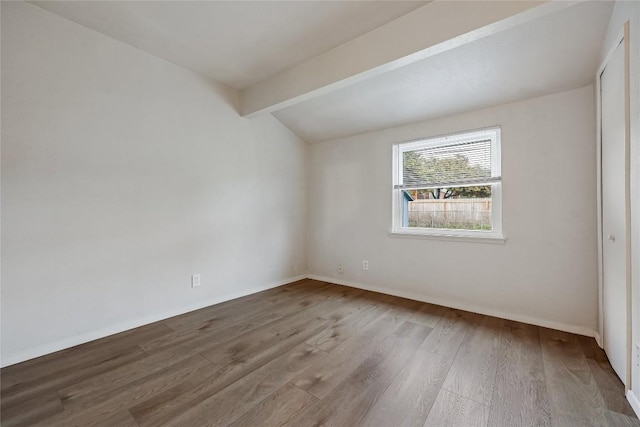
(494,235)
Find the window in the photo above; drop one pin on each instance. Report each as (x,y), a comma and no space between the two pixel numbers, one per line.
(448,185)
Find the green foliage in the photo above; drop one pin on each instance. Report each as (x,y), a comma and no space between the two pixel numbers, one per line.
(445,170)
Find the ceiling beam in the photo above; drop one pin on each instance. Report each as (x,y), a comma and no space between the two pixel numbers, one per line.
(431,29)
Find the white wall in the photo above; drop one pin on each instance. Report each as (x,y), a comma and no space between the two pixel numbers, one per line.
(630,11)
(545,273)
(122,174)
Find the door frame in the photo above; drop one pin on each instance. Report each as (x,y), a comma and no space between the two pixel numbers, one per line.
(622,38)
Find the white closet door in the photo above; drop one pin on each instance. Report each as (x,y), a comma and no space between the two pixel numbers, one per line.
(612,84)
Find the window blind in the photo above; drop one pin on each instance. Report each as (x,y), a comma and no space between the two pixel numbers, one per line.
(454,165)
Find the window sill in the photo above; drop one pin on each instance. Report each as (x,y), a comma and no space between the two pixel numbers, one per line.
(467,237)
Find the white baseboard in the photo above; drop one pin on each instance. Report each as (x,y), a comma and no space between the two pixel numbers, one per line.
(598,338)
(125,326)
(574,329)
(634,401)
(42,350)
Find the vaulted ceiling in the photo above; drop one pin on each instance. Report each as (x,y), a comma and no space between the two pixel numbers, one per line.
(329,69)
(555,53)
(237,43)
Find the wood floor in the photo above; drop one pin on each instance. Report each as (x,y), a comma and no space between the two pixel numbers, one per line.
(312,354)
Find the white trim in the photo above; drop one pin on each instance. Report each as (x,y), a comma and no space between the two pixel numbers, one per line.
(396,199)
(94,335)
(574,329)
(453,234)
(627,172)
(634,402)
(598,338)
(467,237)
(492,134)
(42,350)
(599,201)
(454,138)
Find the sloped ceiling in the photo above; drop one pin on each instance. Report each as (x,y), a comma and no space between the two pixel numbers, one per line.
(237,43)
(552,54)
(253,44)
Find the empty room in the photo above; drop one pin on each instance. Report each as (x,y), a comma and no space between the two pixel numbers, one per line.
(320,213)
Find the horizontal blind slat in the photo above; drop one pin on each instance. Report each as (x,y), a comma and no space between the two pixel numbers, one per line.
(475,182)
(464,163)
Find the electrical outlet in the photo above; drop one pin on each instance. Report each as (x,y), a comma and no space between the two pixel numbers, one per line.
(340,269)
(365,264)
(638,355)
(195,280)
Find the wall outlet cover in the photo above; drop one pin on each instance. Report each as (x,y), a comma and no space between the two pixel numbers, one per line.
(195,280)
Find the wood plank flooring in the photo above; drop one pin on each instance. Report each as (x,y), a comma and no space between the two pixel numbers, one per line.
(316,354)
